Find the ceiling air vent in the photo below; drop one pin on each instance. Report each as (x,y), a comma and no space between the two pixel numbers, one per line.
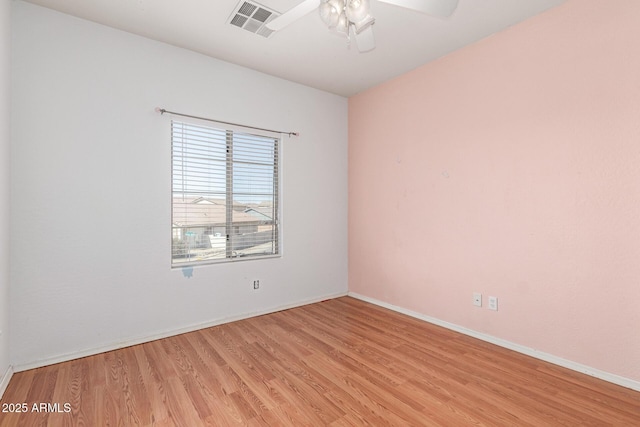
(252,17)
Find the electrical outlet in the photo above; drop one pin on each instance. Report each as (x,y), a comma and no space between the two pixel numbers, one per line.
(493,303)
(256,284)
(477,299)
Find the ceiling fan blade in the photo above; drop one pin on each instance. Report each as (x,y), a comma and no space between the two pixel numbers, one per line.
(293,14)
(439,8)
(364,39)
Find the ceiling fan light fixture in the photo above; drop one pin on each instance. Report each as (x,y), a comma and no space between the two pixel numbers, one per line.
(325,13)
(353,17)
(330,12)
(341,15)
(343,24)
(357,10)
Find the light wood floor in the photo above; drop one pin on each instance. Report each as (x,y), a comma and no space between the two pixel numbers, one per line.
(341,362)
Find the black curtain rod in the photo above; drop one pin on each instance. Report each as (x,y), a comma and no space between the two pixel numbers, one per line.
(162,111)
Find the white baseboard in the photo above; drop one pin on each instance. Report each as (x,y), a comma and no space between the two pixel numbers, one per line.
(4,381)
(147,338)
(606,376)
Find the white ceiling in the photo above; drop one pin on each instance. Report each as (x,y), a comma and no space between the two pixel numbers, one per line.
(305,52)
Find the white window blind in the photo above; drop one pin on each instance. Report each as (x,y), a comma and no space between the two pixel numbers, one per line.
(224,194)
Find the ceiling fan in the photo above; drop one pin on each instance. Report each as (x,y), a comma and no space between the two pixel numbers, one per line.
(352,18)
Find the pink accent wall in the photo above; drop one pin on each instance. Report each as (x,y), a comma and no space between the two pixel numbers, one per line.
(511,168)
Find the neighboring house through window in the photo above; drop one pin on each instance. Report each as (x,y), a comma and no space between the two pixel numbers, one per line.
(224,194)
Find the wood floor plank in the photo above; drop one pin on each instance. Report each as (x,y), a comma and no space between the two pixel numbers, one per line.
(341,362)
(155,390)
(16,394)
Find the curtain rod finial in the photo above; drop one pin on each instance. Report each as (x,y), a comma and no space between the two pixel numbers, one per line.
(160,110)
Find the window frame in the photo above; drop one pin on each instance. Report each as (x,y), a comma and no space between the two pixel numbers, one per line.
(229,225)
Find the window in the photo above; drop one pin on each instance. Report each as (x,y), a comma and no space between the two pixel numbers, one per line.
(224,195)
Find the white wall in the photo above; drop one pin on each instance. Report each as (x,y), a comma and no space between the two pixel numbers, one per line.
(5,136)
(91,181)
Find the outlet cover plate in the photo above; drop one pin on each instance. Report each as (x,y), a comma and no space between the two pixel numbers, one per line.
(477,299)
